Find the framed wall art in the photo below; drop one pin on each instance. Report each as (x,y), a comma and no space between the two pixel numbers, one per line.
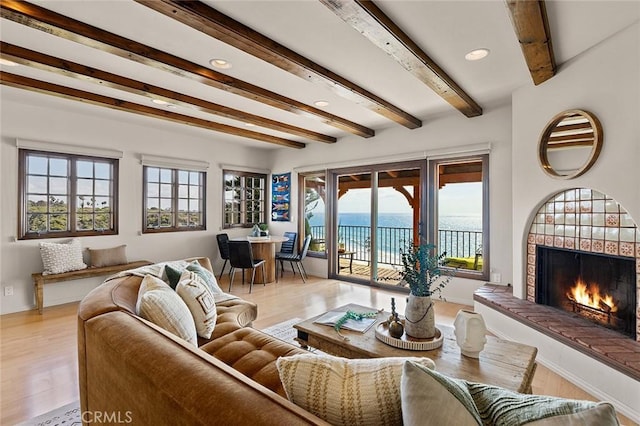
(280,197)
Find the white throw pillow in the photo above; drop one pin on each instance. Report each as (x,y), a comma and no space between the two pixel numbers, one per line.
(345,391)
(199,299)
(447,401)
(62,257)
(158,303)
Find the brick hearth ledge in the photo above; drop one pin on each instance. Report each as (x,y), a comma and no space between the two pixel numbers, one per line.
(607,346)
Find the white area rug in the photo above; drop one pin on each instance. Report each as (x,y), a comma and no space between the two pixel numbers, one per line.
(284,330)
(68,415)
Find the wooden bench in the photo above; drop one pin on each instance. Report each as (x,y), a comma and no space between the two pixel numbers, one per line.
(40,280)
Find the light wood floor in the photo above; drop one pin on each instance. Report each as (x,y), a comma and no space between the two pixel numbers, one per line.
(39,367)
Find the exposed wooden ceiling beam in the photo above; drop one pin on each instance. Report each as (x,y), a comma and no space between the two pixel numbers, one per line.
(205,19)
(34,85)
(529,20)
(372,23)
(71,69)
(59,25)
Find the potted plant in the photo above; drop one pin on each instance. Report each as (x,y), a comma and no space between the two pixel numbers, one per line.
(264,230)
(422,273)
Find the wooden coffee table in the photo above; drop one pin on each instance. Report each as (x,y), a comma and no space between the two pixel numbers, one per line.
(502,363)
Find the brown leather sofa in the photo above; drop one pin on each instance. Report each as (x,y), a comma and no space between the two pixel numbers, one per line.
(135,372)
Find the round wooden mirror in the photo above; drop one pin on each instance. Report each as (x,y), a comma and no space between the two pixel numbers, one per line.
(570,144)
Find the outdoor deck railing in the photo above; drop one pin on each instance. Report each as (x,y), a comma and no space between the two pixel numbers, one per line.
(357,239)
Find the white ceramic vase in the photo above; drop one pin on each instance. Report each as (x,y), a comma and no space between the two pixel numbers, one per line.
(470,331)
(419,318)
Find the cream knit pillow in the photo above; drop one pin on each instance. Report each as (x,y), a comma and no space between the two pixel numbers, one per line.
(61,257)
(158,303)
(345,391)
(199,299)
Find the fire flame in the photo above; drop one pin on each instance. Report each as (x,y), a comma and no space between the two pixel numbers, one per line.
(590,296)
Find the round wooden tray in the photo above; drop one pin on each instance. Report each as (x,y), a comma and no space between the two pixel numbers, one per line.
(408,342)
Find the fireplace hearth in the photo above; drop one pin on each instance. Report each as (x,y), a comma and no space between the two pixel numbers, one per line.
(596,287)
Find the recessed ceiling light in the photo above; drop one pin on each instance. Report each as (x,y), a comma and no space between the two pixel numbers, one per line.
(160,102)
(477,54)
(321,103)
(220,63)
(8,62)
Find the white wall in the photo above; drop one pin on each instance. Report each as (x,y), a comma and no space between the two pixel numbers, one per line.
(448,131)
(60,121)
(603,80)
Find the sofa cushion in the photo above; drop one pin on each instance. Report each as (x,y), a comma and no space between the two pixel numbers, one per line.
(108,256)
(425,390)
(196,294)
(158,303)
(61,257)
(253,353)
(346,391)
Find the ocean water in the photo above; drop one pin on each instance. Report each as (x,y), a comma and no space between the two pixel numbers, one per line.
(395,231)
(401,220)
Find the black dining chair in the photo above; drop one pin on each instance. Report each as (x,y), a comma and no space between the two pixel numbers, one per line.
(223,247)
(297,259)
(287,248)
(241,256)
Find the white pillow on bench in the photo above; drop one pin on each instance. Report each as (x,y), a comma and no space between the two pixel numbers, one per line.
(61,257)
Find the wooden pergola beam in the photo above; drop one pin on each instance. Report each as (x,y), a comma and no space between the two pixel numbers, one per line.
(38,86)
(207,20)
(71,69)
(42,19)
(371,22)
(531,25)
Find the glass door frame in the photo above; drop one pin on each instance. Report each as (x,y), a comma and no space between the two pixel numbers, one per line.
(332,214)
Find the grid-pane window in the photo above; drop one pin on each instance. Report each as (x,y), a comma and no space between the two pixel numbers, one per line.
(174,199)
(244,199)
(67,195)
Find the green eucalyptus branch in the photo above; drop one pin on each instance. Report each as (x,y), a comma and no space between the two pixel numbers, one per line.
(421,270)
(354,316)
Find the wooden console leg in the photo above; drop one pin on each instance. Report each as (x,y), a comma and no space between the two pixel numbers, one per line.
(38,287)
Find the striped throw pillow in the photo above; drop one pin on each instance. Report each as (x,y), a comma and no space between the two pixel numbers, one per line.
(345,391)
(158,303)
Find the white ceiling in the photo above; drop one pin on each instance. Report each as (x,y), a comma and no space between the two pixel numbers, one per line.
(446,30)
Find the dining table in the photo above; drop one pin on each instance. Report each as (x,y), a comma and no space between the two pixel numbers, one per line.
(264,248)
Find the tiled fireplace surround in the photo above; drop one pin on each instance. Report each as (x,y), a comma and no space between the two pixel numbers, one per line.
(586,220)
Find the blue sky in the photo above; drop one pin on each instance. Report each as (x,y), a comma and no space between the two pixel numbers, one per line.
(461,199)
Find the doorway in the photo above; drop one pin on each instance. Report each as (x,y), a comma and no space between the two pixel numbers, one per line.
(377,212)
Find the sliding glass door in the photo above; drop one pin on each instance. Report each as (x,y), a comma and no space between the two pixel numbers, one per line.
(377,211)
